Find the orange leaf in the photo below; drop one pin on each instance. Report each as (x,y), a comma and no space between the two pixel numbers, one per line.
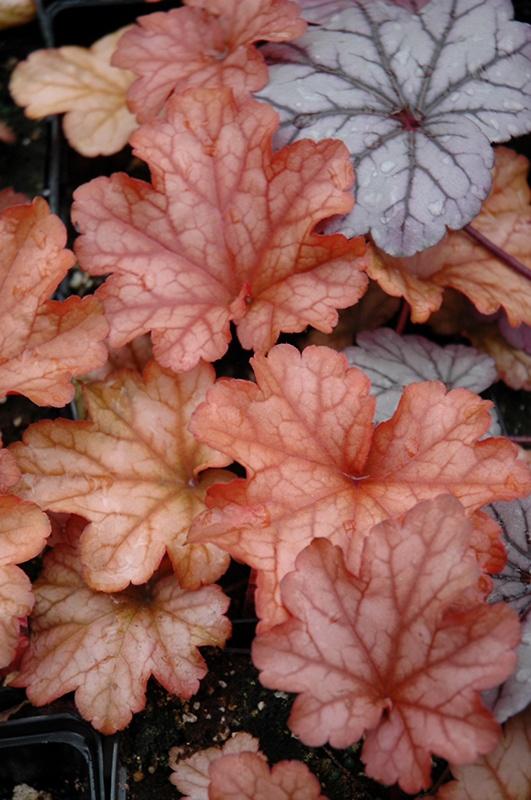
(459,262)
(105,647)
(210,45)
(504,774)
(317,466)
(134,472)
(82,84)
(397,650)
(513,365)
(224,233)
(43,344)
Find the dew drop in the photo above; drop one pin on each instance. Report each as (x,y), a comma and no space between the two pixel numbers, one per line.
(387,166)
(435,208)
(454,97)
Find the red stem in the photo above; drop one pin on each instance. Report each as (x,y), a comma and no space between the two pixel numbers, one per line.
(403,318)
(503,255)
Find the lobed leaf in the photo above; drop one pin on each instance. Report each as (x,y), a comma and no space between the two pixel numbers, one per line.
(397,649)
(43,343)
(393,362)
(247,777)
(514,365)
(417,99)
(319,11)
(135,472)
(461,263)
(317,467)
(207,43)
(224,233)
(191,775)
(82,84)
(105,647)
(504,774)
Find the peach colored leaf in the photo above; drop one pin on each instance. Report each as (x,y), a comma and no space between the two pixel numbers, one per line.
(82,84)
(135,472)
(66,339)
(318,467)
(459,262)
(23,530)
(43,343)
(397,651)
(224,233)
(7,136)
(16,602)
(247,777)
(105,647)
(16,12)
(513,365)
(134,355)
(504,774)
(515,694)
(190,775)
(208,45)
(8,198)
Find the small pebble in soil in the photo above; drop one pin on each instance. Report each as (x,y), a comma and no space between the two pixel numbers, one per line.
(25,792)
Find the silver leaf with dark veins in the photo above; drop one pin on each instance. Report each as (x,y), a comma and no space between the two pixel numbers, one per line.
(513,585)
(393,362)
(417,98)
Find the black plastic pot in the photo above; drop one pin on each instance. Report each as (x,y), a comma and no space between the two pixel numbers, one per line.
(57,751)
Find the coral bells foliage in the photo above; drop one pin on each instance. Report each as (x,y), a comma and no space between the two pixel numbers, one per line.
(207,43)
(318,467)
(224,233)
(460,263)
(239,771)
(106,646)
(135,472)
(396,648)
(23,532)
(43,343)
(417,98)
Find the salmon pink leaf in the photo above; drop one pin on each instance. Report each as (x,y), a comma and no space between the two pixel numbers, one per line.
(392,362)
(105,647)
(417,101)
(210,45)
(190,775)
(82,84)
(247,777)
(8,198)
(397,650)
(16,602)
(459,262)
(317,466)
(135,472)
(504,774)
(515,694)
(43,343)
(224,233)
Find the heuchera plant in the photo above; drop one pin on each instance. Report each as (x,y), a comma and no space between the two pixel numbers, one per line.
(387,529)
